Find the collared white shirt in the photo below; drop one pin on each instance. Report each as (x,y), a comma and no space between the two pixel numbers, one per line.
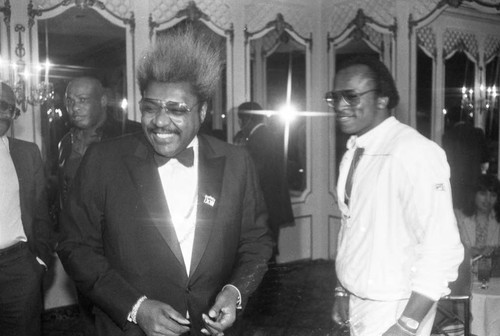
(11,225)
(399,233)
(180,185)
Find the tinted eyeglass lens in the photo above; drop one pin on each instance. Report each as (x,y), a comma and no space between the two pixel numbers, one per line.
(150,106)
(334,98)
(6,110)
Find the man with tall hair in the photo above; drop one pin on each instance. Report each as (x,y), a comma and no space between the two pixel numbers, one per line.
(399,245)
(165,231)
(26,231)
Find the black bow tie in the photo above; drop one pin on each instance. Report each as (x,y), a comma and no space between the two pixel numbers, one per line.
(186,157)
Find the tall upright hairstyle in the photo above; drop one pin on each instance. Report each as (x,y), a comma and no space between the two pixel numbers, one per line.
(183,54)
(381,76)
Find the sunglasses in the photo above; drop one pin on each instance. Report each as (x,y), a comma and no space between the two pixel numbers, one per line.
(8,111)
(350,97)
(153,107)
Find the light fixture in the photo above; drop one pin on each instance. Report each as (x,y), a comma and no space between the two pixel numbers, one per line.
(27,92)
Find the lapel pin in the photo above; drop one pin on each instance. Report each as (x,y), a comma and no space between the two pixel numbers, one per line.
(210,200)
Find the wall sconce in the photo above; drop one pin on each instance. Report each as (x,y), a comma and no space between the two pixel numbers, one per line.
(27,93)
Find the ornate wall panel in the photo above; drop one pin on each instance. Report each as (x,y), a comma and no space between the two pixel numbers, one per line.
(120,8)
(298,16)
(492,47)
(217,10)
(455,40)
(340,15)
(426,39)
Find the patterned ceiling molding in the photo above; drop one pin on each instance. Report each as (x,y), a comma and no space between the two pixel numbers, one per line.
(492,48)
(299,16)
(190,13)
(215,11)
(119,10)
(361,28)
(417,20)
(459,41)
(426,40)
(282,29)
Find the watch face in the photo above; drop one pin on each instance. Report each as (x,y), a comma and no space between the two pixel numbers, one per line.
(411,323)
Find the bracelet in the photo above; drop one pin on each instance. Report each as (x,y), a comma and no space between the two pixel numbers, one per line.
(132,316)
(409,332)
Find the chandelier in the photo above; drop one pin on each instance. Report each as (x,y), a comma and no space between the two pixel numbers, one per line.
(27,91)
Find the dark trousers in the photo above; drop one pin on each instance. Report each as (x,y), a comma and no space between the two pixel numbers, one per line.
(20,292)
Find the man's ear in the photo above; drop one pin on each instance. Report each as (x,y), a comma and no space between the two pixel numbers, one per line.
(203,112)
(382,102)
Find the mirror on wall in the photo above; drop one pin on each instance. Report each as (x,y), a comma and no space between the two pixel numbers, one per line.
(424,93)
(459,89)
(277,61)
(491,109)
(78,42)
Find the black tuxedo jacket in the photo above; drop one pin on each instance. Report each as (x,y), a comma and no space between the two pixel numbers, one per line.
(37,224)
(118,242)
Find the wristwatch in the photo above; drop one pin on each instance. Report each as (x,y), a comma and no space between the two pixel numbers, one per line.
(409,322)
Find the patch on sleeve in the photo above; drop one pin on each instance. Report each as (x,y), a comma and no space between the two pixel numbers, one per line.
(439,186)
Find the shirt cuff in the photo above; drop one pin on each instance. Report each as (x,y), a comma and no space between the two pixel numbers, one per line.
(238,303)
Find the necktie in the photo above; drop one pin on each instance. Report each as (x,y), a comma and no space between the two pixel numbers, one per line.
(186,157)
(354,163)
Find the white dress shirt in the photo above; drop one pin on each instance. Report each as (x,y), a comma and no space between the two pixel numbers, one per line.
(180,185)
(399,233)
(11,225)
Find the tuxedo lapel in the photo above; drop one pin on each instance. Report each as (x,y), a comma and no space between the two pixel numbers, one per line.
(210,175)
(145,175)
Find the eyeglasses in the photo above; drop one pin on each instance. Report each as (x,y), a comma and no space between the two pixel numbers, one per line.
(8,111)
(152,107)
(350,97)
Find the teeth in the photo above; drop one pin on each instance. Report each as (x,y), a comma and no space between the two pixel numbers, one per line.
(163,135)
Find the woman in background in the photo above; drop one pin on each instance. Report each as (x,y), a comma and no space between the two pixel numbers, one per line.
(479,223)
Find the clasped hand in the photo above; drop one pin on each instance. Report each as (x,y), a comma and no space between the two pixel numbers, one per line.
(157,318)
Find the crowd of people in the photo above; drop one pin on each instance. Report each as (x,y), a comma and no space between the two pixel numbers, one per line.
(168,231)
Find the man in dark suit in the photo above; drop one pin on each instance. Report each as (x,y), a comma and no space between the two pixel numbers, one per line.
(86,104)
(268,153)
(26,239)
(166,231)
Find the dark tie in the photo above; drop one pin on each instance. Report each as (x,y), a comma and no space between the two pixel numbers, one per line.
(348,185)
(186,157)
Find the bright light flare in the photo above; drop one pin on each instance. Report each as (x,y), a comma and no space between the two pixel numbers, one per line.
(288,112)
(124,104)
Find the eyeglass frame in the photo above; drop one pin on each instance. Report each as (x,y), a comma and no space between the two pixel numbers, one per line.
(13,111)
(357,96)
(163,106)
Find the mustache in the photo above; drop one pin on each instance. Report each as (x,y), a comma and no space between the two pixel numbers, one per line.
(164,130)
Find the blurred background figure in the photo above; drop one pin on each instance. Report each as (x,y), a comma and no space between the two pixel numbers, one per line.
(479,221)
(467,153)
(268,154)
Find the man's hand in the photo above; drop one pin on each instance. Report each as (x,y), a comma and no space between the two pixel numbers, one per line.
(340,312)
(222,314)
(158,318)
